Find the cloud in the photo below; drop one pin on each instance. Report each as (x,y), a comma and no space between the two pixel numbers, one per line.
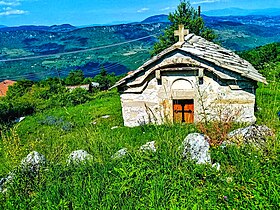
(10,11)
(165,9)
(10,3)
(143,10)
(10,7)
(205,1)
(7,8)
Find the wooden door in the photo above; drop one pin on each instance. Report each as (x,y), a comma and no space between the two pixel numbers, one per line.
(183,111)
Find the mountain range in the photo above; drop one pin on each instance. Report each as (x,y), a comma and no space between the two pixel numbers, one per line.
(54,28)
(234,32)
(242,12)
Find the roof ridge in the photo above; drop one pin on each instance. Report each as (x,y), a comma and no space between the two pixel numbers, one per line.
(209,52)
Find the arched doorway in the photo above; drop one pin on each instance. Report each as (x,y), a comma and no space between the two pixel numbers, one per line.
(183,102)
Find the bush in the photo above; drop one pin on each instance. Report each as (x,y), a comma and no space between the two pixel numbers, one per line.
(77,96)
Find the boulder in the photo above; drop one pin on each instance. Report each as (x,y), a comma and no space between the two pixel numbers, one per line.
(30,166)
(254,134)
(196,147)
(79,156)
(33,162)
(150,146)
(119,154)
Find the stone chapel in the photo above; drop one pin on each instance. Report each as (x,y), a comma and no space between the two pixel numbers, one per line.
(191,81)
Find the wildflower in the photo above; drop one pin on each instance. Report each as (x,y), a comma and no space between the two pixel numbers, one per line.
(225,197)
(229,179)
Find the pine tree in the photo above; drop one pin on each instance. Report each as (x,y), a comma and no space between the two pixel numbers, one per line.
(189,17)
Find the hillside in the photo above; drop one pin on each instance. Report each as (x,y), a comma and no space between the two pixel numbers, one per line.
(156,19)
(63,122)
(235,33)
(161,180)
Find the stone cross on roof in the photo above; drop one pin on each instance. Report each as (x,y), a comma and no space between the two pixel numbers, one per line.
(181,33)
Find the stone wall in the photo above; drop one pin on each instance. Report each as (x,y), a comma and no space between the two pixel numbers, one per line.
(212,100)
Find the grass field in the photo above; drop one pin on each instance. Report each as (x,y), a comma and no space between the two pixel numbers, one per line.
(248,179)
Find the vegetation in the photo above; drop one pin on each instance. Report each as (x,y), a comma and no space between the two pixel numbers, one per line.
(105,79)
(266,59)
(189,17)
(162,180)
(28,97)
(249,177)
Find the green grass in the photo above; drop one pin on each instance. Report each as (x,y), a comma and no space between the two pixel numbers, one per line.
(248,179)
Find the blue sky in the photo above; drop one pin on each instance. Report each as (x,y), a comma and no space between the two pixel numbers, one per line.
(86,12)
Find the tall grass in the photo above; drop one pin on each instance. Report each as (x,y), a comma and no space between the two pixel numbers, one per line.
(248,178)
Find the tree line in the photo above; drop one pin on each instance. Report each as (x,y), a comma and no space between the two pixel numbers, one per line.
(26,97)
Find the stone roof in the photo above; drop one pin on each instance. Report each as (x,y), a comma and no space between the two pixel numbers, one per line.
(4,86)
(203,50)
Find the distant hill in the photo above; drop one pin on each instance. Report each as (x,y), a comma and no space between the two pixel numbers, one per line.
(2,26)
(242,12)
(54,28)
(156,19)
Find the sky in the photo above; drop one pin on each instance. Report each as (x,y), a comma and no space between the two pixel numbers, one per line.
(88,12)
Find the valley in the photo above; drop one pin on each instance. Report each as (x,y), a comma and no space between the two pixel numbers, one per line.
(237,33)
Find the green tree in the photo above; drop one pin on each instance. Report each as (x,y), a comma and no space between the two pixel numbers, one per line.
(75,78)
(19,89)
(189,17)
(104,79)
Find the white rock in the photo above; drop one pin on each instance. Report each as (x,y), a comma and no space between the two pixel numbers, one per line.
(105,116)
(19,119)
(5,181)
(115,127)
(33,162)
(119,154)
(217,166)
(196,147)
(150,146)
(79,156)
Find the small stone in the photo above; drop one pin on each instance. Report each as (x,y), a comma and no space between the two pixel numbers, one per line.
(119,154)
(196,147)
(105,116)
(94,123)
(217,166)
(19,119)
(115,127)
(150,146)
(33,162)
(5,181)
(79,156)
